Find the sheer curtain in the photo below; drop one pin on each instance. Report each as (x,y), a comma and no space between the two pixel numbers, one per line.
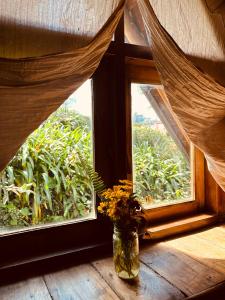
(32,88)
(197,100)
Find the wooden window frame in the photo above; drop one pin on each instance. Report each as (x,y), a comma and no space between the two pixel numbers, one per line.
(44,242)
(122,64)
(72,236)
(143,71)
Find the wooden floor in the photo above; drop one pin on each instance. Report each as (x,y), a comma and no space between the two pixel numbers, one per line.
(175,269)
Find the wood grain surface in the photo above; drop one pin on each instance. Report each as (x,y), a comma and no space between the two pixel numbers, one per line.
(149,285)
(29,289)
(81,282)
(180,269)
(170,270)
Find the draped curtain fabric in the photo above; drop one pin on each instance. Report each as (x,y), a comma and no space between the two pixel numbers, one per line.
(195,98)
(32,88)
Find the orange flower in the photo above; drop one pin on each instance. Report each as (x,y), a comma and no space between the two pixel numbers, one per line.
(126,182)
(119,203)
(102,206)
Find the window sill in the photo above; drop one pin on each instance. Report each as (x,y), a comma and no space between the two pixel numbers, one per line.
(154,232)
(162,230)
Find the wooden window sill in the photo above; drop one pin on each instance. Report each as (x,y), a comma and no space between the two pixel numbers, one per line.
(155,231)
(160,231)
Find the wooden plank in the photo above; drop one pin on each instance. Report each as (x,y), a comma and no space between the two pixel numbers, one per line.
(206,252)
(128,109)
(148,285)
(215,236)
(180,226)
(143,52)
(221,203)
(130,50)
(216,292)
(198,176)
(134,61)
(34,288)
(119,32)
(175,210)
(80,282)
(187,274)
(142,73)
(211,192)
(108,100)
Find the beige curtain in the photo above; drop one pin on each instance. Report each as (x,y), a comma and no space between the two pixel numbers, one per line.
(32,88)
(195,98)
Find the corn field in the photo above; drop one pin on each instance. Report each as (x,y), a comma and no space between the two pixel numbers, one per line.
(162,174)
(45,181)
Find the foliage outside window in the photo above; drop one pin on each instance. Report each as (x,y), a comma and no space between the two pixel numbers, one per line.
(45,181)
(161,171)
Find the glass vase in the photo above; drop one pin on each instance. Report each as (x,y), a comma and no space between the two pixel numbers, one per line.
(126,253)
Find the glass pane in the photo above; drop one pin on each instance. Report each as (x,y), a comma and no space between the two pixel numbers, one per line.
(134,28)
(161,160)
(45,182)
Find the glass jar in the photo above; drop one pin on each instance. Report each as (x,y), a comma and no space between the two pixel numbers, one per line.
(126,253)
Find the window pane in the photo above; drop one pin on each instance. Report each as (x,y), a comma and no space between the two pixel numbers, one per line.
(134,29)
(45,182)
(161,160)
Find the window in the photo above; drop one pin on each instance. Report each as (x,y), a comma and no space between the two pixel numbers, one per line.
(46,183)
(125,74)
(182,195)
(161,152)
(134,29)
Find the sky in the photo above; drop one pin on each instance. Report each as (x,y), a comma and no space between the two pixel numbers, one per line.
(83,101)
(140,104)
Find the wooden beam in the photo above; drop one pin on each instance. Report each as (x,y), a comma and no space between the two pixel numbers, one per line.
(119,32)
(134,51)
(142,71)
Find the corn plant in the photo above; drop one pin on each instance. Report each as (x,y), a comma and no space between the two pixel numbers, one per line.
(50,179)
(161,171)
(46,180)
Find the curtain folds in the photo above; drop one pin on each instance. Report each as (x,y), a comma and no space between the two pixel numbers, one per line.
(195,98)
(32,88)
